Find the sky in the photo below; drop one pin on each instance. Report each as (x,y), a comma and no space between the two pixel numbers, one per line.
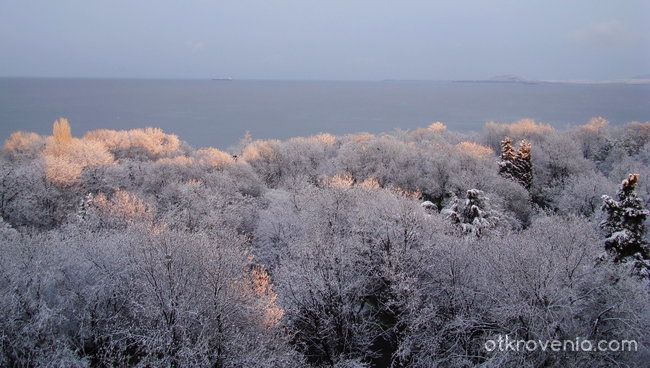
(325,40)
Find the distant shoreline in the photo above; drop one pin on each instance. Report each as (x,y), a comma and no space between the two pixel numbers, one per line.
(532,81)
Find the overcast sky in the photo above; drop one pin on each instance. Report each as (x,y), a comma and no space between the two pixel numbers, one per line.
(327,39)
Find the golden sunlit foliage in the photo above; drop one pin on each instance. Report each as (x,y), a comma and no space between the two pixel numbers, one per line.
(434,129)
(325,139)
(522,129)
(65,157)
(148,142)
(362,137)
(475,150)
(595,125)
(370,184)
(123,206)
(346,181)
(437,127)
(212,157)
(525,128)
(24,143)
(61,131)
(263,290)
(340,181)
(260,150)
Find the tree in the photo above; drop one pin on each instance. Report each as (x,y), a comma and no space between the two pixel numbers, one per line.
(475,215)
(524,164)
(129,248)
(594,138)
(24,144)
(84,206)
(429,207)
(625,226)
(516,164)
(66,157)
(321,282)
(508,157)
(61,131)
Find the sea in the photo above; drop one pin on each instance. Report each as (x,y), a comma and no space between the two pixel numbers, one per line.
(218,113)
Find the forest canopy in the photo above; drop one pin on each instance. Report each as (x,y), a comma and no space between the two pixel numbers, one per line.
(132,248)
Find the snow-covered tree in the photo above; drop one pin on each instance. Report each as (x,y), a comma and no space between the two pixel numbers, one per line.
(475,215)
(594,138)
(522,129)
(516,164)
(137,144)
(508,157)
(429,207)
(84,206)
(24,144)
(320,250)
(524,164)
(625,226)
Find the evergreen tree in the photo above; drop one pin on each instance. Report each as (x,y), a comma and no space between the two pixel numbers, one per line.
(524,164)
(516,164)
(84,206)
(451,211)
(625,226)
(508,158)
(475,215)
(429,207)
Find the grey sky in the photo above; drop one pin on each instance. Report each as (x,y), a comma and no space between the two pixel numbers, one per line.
(334,39)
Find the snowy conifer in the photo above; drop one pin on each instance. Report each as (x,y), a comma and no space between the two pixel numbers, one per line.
(516,164)
(475,215)
(524,164)
(508,157)
(429,207)
(84,206)
(625,226)
(451,211)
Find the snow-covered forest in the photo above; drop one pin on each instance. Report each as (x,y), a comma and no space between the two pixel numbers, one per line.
(410,249)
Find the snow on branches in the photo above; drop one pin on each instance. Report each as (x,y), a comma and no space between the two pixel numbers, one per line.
(625,226)
(516,164)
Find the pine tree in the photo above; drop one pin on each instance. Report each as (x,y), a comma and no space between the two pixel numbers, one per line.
(516,164)
(84,206)
(451,211)
(625,226)
(524,164)
(475,215)
(508,157)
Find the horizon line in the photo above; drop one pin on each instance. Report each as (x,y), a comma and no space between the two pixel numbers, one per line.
(643,79)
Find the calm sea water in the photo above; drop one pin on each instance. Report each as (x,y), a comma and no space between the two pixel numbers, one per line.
(218,113)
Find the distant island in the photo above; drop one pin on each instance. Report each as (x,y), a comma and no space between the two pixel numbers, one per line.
(509,78)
